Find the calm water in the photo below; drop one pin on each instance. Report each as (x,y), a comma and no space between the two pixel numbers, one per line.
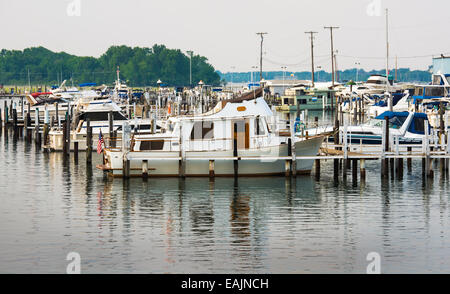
(49,208)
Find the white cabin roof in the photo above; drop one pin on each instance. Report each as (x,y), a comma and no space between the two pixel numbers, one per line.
(246,108)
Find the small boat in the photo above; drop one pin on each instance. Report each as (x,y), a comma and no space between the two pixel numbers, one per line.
(408,126)
(400,103)
(235,132)
(97,112)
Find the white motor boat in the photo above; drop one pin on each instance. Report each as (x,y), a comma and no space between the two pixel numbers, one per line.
(233,133)
(97,112)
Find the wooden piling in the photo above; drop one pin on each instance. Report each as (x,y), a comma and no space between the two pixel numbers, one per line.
(317,165)
(68,120)
(88,141)
(64,130)
(126,167)
(409,160)
(45,133)
(111,129)
(235,152)
(354,171)
(211,169)
(75,151)
(145,169)
(336,170)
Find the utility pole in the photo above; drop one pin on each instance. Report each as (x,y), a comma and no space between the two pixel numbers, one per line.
(312,55)
(332,53)
(260,57)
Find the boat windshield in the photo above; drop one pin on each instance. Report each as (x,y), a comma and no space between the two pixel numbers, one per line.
(395,122)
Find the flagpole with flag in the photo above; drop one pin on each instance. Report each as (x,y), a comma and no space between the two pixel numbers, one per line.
(100,143)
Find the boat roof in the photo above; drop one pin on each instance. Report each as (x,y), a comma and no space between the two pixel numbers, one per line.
(391,114)
(246,108)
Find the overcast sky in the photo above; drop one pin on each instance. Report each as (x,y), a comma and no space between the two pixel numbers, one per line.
(225,30)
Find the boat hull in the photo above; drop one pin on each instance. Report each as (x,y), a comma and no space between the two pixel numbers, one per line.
(258,162)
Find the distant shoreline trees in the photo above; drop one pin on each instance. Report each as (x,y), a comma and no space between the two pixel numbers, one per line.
(138,67)
(403,75)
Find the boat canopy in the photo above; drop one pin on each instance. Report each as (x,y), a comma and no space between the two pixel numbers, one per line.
(391,114)
(88,84)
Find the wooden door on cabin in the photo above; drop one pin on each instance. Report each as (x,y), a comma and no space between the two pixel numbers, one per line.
(241,133)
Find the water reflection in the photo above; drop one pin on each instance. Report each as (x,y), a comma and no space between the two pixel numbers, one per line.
(194,225)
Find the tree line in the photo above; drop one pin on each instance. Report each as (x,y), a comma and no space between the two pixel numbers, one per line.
(138,67)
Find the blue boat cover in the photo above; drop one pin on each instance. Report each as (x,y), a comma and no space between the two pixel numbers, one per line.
(401,114)
(391,114)
(88,84)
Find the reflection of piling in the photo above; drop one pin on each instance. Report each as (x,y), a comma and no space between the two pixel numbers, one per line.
(362,163)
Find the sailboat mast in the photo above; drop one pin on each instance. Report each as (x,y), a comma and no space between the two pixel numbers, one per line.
(387,61)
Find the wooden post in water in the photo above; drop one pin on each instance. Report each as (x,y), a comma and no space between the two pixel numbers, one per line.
(182,161)
(145,169)
(88,141)
(37,135)
(57,114)
(336,170)
(111,129)
(75,151)
(64,130)
(211,169)
(409,160)
(317,165)
(5,113)
(235,151)
(442,135)
(126,137)
(28,125)
(14,116)
(355,171)
(385,162)
(288,163)
(68,119)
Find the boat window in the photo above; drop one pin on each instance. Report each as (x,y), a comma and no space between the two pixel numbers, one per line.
(202,130)
(376,82)
(418,126)
(396,122)
(142,127)
(435,92)
(101,116)
(437,80)
(152,145)
(259,127)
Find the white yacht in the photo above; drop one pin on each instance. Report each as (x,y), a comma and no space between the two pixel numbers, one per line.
(235,132)
(97,112)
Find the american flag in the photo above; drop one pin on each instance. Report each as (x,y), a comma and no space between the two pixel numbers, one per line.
(100,143)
